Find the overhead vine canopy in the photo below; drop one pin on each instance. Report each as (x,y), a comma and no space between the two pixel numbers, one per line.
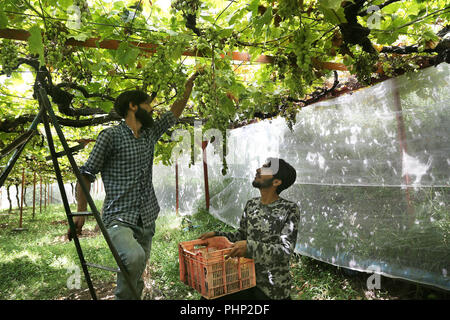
(261,58)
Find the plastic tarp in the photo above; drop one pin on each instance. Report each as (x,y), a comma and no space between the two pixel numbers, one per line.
(373,178)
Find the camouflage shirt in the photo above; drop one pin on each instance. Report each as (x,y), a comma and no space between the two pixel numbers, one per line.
(271,234)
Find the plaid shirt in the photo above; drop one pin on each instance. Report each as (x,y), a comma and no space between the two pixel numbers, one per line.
(125,163)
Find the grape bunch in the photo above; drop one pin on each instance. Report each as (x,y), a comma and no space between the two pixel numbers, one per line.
(364,66)
(8,56)
(162,73)
(186,6)
(84,9)
(302,40)
(206,93)
(55,49)
(210,100)
(295,68)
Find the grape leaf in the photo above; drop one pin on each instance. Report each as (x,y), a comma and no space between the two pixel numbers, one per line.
(126,54)
(3,20)
(331,4)
(35,43)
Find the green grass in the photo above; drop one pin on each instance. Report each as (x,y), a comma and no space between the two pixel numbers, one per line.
(34,264)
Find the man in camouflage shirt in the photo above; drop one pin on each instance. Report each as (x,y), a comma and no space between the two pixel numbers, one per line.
(267,232)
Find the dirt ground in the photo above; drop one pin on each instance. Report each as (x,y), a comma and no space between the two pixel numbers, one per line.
(105,291)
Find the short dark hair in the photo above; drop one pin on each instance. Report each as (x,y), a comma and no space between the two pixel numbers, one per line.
(123,101)
(286,173)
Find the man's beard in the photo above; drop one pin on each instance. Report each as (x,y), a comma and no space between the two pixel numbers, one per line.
(264,184)
(144,117)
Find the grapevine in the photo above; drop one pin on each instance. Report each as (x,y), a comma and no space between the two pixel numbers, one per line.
(214,102)
(55,50)
(206,96)
(8,56)
(302,41)
(162,73)
(392,66)
(288,8)
(364,66)
(186,6)
(296,69)
(84,10)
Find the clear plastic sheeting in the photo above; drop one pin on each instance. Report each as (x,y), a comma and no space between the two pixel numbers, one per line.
(373,178)
(190,183)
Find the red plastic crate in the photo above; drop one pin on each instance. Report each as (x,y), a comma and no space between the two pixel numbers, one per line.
(203,266)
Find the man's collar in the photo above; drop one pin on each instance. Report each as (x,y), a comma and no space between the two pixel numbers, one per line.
(142,132)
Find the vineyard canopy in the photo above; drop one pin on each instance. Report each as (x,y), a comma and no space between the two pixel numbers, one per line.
(369,174)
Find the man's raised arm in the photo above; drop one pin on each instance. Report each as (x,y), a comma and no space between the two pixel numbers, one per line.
(179,105)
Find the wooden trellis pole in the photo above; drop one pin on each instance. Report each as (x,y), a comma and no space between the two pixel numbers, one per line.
(21,203)
(401,133)
(23,35)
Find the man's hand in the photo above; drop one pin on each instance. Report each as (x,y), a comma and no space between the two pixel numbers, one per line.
(207,235)
(238,249)
(79,222)
(179,105)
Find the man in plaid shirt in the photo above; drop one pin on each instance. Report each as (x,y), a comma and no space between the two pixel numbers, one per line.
(123,154)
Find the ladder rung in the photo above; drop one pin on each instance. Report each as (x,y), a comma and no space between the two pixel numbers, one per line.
(63,153)
(82,213)
(102,267)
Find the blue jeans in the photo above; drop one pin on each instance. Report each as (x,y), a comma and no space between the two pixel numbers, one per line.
(133,244)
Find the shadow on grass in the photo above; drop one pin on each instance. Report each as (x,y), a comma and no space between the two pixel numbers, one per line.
(30,278)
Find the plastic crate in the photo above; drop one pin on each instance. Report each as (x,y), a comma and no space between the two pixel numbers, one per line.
(203,266)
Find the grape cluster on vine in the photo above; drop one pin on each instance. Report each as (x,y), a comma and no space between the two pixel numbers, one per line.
(161,72)
(186,6)
(55,49)
(296,68)
(210,98)
(83,6)
(302,50)
(9,56)
(364,65)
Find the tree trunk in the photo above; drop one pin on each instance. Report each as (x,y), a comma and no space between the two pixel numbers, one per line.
(17,195)
(73,192)
(9,198)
